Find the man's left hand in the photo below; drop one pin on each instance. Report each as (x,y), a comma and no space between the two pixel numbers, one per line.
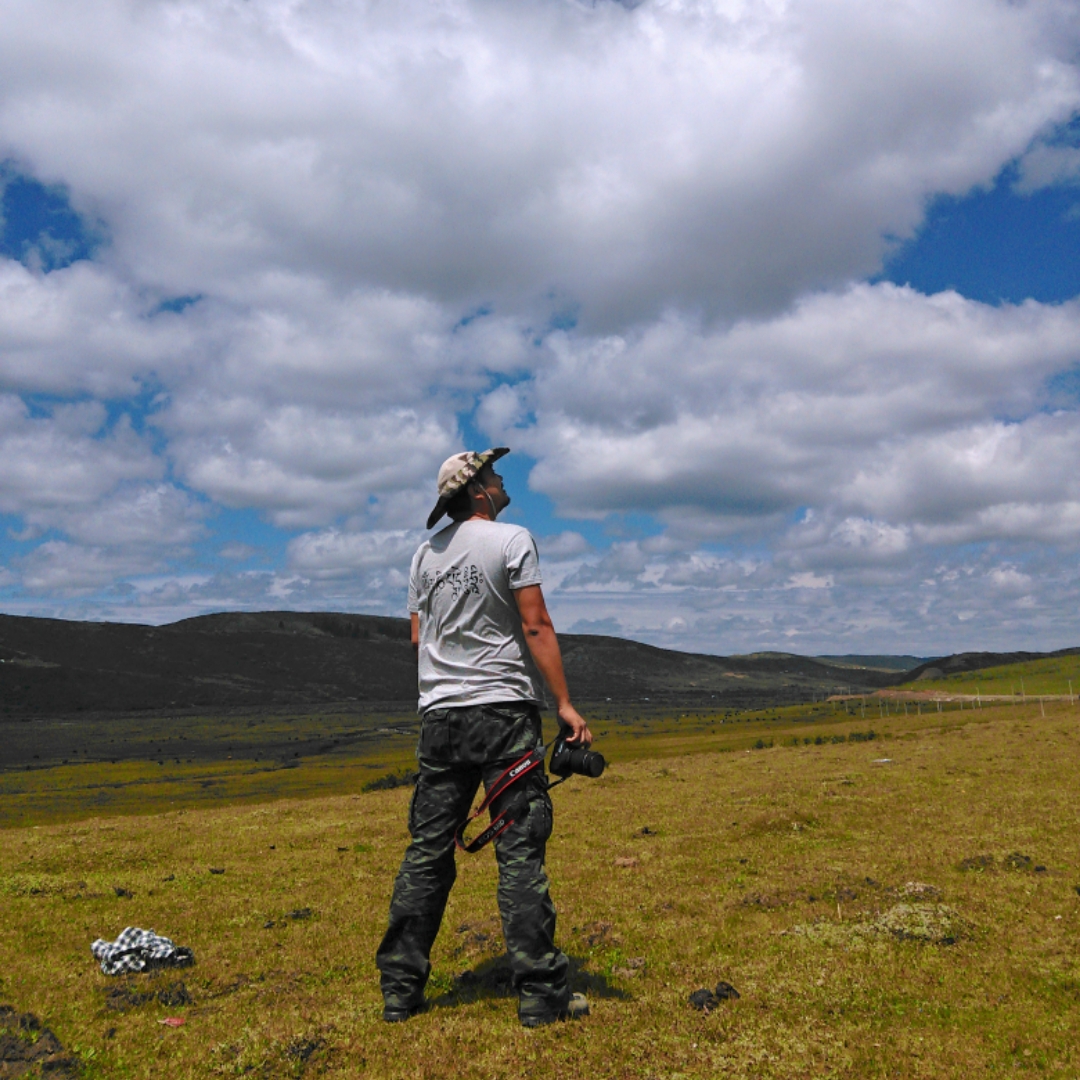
(580,735)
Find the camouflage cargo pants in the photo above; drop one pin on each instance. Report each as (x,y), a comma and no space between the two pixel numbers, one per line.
(458,749)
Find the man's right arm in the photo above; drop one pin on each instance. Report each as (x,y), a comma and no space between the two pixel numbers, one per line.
(544,646)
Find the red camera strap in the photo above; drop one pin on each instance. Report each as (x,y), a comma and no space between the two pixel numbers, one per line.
(505,818)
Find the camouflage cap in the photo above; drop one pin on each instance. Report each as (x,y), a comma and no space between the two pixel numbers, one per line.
(457,471)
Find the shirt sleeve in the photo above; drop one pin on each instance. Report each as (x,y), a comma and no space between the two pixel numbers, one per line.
(522,560)
(414,584)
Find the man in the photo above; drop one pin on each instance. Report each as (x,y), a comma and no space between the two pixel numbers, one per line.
(483,637)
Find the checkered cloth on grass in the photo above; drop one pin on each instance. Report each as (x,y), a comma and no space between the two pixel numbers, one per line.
(139,950)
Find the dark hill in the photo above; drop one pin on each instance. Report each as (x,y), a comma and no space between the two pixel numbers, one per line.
(876,663)
(283,660)
(976,661)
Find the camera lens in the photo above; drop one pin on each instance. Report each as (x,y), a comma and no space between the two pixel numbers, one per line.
(569,760)
(587,763)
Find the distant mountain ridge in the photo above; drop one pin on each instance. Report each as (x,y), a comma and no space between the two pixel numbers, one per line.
(284,660)
(875,663)
(289,660)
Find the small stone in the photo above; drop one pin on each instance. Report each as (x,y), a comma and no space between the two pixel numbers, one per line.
(704,1000)
(725,991)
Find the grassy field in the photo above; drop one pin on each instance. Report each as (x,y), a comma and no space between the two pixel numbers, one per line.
(59,770)
(905,906)
(1048,677)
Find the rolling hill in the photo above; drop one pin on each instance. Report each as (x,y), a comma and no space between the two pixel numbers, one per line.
(959,663)
(282,660)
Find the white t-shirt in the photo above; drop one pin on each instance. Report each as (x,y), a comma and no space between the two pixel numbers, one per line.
(472,647)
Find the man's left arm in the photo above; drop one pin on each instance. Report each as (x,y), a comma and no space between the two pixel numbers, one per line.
(544,647)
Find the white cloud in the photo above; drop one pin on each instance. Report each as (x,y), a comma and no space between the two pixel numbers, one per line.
(82,330)
(238,551)
(873,405)
(54,466)
(57,568)
(303,465)
(1048,166)
(720,156)
(332,554)
(809,580)
(1008,578)
(565,545)
(382,211)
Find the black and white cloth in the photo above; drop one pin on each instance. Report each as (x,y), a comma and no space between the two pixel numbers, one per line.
(139,950)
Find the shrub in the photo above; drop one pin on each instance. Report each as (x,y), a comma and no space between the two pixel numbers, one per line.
(391,780)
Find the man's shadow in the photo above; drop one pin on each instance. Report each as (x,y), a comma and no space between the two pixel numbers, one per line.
(493,979)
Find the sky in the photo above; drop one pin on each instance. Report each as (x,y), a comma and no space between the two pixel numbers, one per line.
(776,302)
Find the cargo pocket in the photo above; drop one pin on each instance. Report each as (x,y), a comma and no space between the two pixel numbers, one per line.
(434,742)
(540,817)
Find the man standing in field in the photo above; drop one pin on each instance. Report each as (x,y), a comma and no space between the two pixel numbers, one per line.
(483,637)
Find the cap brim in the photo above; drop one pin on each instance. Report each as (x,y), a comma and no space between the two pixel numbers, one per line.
(486,458)
(433,517)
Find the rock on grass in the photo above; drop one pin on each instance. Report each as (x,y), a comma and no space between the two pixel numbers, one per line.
(707,1000)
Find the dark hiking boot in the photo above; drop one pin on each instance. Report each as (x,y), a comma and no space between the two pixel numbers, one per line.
(397,1014)
(575,1009)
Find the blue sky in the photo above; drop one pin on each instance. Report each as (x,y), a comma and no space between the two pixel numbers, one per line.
(778,311)
(997,245)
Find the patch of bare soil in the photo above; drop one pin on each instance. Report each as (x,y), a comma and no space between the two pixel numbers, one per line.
(28,1049)
(122,998)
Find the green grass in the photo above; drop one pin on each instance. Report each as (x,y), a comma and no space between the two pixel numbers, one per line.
(694,858)
(1047,677)
(229,760)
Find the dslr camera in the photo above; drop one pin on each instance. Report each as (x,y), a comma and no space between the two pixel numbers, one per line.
(569,761)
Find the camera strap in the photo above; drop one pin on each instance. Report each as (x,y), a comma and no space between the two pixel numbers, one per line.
(510,813)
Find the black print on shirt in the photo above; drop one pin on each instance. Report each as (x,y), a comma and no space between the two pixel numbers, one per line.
(458,579)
